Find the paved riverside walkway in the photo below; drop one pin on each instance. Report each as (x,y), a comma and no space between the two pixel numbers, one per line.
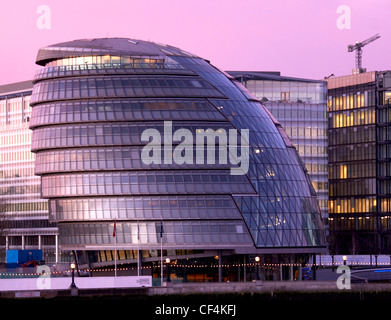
(296,288)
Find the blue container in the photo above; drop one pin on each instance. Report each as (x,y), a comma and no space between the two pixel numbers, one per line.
(12,256)
(15,258)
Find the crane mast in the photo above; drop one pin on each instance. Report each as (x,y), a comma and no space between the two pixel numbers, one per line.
(358,48)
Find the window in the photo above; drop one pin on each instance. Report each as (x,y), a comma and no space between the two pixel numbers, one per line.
(285,96)
(387,97)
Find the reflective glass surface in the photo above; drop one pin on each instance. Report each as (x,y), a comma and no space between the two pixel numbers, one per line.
(145,208)
(124,133)
(274,219)
(24,215)
(112,87)
(287,91)
(306,126)
(202,234)
(123,110)
(176,182)
(83,70)
(124,158)
(87,136)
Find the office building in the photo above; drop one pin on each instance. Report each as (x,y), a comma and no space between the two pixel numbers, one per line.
(359,161)
(24,219)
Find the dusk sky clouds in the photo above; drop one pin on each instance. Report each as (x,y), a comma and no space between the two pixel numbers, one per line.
(296,37)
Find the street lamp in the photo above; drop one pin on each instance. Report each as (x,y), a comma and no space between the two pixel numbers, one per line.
(344,258)
(73,266)
(74,289)
(257,259)
(168,260)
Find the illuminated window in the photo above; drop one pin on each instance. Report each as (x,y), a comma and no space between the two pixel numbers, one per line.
(387,97)
(343,171)
(285,96)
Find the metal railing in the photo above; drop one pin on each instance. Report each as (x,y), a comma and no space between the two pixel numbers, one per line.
(86,68)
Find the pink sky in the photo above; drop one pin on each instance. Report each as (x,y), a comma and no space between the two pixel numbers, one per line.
(297,37)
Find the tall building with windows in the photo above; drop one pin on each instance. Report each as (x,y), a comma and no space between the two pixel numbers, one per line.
(24,219)
(359,163)
(300,106)
(93,101)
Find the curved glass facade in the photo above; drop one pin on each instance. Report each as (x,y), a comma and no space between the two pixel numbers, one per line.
(123,110)
(101,134)
(91,103)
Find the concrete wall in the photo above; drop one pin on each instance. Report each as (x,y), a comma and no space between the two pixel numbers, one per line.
(264,287)
(63,283)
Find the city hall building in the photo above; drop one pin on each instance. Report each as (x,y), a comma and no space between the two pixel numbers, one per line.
(146,151)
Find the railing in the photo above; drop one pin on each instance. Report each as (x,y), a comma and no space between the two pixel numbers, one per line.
(94,68)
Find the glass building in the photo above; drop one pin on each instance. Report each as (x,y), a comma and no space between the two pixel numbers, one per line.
(300,106)
(24,216)
(359,163)
(93,101)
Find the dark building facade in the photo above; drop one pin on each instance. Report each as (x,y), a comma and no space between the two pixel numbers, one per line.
(92,103)
(359,163)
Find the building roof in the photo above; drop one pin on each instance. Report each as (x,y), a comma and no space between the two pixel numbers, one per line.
(267,75)
(351,80)
(16,87)
(103,46)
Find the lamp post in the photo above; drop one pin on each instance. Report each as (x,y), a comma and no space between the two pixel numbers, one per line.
(73,266)
(161,253)
(74,289)
(257,259)
(344,258)
(168,260)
